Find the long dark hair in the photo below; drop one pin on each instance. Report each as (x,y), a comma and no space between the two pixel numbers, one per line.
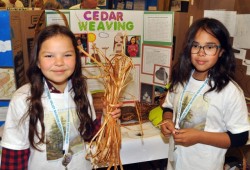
(79,87)
(222,72)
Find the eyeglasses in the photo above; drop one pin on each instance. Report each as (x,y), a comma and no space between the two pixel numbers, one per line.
(209,49)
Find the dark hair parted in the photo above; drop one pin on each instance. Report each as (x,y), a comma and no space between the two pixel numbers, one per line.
(79,87)
(222,72)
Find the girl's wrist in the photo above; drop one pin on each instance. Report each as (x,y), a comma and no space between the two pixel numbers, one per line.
(167,116)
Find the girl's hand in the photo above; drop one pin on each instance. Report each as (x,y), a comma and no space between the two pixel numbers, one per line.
(117,111)
(167,128)
(187,137)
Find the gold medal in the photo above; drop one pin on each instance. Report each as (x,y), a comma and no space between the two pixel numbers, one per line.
(66,159)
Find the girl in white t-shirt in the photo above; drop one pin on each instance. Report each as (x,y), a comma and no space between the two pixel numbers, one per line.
(49,119)
(205,110)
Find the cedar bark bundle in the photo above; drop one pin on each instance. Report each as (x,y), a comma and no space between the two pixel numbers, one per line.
(104,148)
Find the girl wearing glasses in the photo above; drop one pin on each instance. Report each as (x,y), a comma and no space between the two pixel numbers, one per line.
(205,111)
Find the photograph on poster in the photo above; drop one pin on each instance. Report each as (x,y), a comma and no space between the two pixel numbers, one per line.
(161,74)
(82,43)
(7,83)
(146,93)
(133,46)
(158,92)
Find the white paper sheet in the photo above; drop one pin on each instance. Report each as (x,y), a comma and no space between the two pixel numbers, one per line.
(158,27)
(153,55)
(242,35)
(241,55)
(228,18)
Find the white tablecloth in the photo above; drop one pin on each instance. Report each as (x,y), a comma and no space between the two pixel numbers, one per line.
(135,148)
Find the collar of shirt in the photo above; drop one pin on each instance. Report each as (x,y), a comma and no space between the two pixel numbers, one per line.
(52,89)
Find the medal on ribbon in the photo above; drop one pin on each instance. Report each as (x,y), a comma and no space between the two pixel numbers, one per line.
(66,160)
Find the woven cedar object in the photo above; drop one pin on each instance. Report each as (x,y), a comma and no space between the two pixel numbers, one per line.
(104,148)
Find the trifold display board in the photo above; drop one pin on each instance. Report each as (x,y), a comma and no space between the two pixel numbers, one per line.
(8,49)
(16,40)
(146,37)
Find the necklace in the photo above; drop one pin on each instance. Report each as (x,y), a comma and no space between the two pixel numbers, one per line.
(67,156)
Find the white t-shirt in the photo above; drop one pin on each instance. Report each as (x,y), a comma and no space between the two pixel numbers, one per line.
(18,4)
(15,135)
(219,112)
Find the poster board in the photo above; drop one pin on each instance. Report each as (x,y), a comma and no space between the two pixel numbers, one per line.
(111,31)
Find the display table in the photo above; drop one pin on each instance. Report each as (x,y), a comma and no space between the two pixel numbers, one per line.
(136,148)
